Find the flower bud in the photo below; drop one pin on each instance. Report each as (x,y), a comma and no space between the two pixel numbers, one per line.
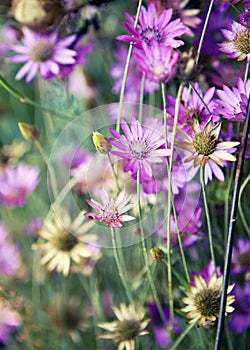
(29,132)
(156,253)
(187,68)
(101,143)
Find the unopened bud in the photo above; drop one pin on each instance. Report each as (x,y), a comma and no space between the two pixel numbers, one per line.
(29,132)
(187,68)
(156,253)
(101,143)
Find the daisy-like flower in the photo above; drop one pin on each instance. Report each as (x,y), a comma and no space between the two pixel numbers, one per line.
(232,103)
(110,211)
(203,300)
(43,52)
(64,242)
(238,42)
(156,62)
(127,328)
(17,183)
(241,256)
(141,146)
(152,28)
(206,150)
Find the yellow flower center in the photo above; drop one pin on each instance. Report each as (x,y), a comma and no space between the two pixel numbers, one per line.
(128,329)
(204,143)
(207,301)
(66,241)
(242,41)
(42,51)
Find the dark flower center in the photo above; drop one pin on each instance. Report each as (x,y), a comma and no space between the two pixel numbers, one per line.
(139,149)
(150,33)
(244,260)
(204,143)
(207,301)
(191,113)
(42,51)
(128,329)
(66,241)
(242,41)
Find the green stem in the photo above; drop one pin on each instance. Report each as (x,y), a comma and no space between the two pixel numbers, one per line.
(146,260)
(242,216)
(246,72)
(200,98)
(114,173)
(125,74)
(141,98)
(209,228)
(182,336)
(119,267)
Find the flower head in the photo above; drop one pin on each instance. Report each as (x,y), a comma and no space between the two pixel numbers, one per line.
(141,146)
(241,256)
(206,150)
(203,300)
(156,62)
(240,320)
(127,328)
(17,183)
(64,242)
(152,28)
(238,42)
(43,52)
(110,211)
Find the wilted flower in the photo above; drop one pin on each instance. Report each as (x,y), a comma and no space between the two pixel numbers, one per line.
(152,28)
(43,52)
(127,328)
(141,146)
(17,183)
(65,241)
(110,211)
(241,256)
(238,42)
(203,300)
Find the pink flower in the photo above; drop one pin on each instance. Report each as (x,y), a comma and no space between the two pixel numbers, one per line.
(110,211)
(10,320)
(9,254)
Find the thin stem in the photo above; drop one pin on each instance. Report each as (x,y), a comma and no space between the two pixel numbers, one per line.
(209,228)
(231,230)
(146,260)
(182,336)
(164,112)
(246,72)
(141,98)
(114,173)
(200,98)
(125,74)
(242,216)
(119,267)
(204,31)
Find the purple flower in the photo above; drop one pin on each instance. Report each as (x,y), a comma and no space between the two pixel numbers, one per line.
(17,183)
(110,211)
(237,44)
(162,336)
(240,320)
(9,254)
(208,271)
(10,320)
(232,103)
(156,62)
(152,28)
(241,256)
(43,52)
(141,146)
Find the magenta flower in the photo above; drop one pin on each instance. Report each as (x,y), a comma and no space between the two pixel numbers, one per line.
(156,62)
(141,146)
(237,44)
(9,254)
(17,183)
(110,211)
(43,52)
(152,28)
(240,320)
(10,320)
(232,103)
(241,256)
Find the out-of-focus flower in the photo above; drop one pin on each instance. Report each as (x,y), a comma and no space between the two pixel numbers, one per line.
(232,103)
(203,300)
(29,132)
(224,73)
(238,42)
(17,183)
(43,52)
(141,146)
(152,28)
(241,256)
(161,334)
(65,241)
(187,15)
(11,154)
(110,211)
(240,320)
(8,36)
(9,254)
(207,150)
(10,321)
(245,15)
(127,328)
(156,62)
